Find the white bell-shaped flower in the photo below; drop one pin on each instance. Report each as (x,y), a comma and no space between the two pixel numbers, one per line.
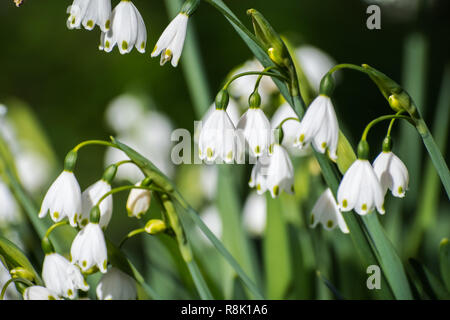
(392,173)
(90,197)
(39,293)
(89,13)
(319,126)
(62,277)
(274,173)
(256,130)
(63,199)
(89,248)
(116,285)
(127,30)
(326,212)
(138,202)
(170,44)
(217,138)
(360,189)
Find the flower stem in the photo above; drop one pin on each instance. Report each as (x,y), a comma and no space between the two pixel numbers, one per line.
(124,188)
(54,226)
(24,281)
(130,235)
(384,118)
(93,142)
(250,73)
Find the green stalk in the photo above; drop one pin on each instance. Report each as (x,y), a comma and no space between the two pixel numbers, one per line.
(184,247)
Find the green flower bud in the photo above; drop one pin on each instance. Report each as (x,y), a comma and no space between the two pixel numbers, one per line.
(70,160)
(189,7)
(222,99)
(155,226)
(47,246)
(254,101)
(387,144)
(23,273)
(275,47)
(398,98)
(363,150)
(110,173)
(94,215)
(327,85)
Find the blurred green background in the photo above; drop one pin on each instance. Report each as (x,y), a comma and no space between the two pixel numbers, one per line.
(68,82)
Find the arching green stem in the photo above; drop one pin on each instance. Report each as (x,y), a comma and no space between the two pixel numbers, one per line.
(348,66)
(251,73)
(125,188)
(391,124)
(384,118)
(93,142)
(130,235)
(54,226)
(260,77)
(24,281)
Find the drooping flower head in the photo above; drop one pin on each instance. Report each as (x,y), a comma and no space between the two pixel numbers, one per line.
(256,130)
(138,201)
(39,293)
(127,30)
(273,173)
(62,277)
(63,199)
(89,13)
(89,248)
(170,44)
(217,139)
(116,285)
(392,173)
(326,212)
(360,189)
(94,193)
(319,126)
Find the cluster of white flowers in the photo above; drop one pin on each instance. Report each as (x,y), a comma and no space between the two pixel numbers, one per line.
(125,28)
(364,186)
(90,212)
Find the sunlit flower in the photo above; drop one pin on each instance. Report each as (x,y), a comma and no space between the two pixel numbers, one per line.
(89,199)
(326,212)
(170,44)
(320,126)
(89,13)
(138,202)
(392,173)
(274,173)
(63,199)
(217,139)
(127,29)
(255,214)
(116,285)
(360,189)
(62,277)
(39,293)
(89,248)
(9,210)
(256,130)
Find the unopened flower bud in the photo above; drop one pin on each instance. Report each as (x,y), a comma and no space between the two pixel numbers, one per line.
(155,226)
